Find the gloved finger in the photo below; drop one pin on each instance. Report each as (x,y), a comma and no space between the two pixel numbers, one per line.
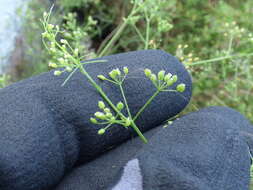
(45,128)
(202,150)
(246,129)
(100,172)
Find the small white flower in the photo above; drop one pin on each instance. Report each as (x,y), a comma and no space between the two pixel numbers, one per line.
(63,41)
(57,73)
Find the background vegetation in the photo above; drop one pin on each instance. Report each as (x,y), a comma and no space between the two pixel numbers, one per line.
(213,38)
(192,30)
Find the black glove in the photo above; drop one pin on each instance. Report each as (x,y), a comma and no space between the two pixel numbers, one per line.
(45,129)
(205,150)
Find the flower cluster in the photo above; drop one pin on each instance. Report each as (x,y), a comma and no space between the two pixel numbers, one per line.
(163,81)
(149,11)
(106,117)
(186,58)
(63,56)
(66,53)
(116,76)
(164,25)
(233,29)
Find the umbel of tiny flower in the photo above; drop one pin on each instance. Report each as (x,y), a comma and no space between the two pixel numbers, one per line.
(105,116)
(116,76)
(163,81)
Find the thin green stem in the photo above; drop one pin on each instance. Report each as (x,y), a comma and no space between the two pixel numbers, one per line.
(70,75)
(169,91)
(119,31)
(105,41)
(95,61)
(228,52)
(139,33)
(147,32)
(111,81)
(65,51)
(107,127)
(125,101)
(236,81)
(230,44)
(133,125)
(220,59)
(114,38)
(70,47)
(102,93)
(84,63)
(146,104)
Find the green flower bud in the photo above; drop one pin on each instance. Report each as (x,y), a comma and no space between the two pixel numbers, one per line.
(100,115)
(57,73)
(93,120)
(108,115)
(45,35)
(63,41)
(101,104)
(53,65)
(61,60)
(69,69)
(50,26)
(153,77)
(101,131)
(161,75)
(113,74)
(174,78)
(112,119)
(181,87)
(45,14)
(148,72)
(167,77)
(120,105)
(170,122)
(127,122)
(107,110)
(125,69)
(170,82)
(101,77)
(76,52)
(118,72)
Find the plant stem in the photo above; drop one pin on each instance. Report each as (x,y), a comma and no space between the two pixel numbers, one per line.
(133,125)
(230,44)
(101,92)
(70,75)
(220,59)
(94,61)
(147,32)
(125,101)
(139,33)
(119,31)
(114,38)
(139,132)
(146,104)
